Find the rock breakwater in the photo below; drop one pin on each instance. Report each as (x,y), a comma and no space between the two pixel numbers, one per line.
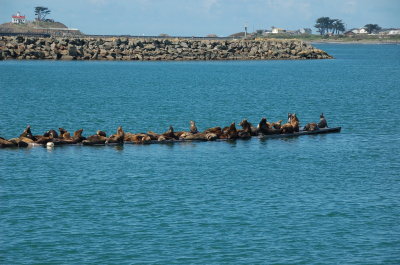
(33,48)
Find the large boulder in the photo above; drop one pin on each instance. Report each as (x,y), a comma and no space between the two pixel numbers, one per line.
(73,51)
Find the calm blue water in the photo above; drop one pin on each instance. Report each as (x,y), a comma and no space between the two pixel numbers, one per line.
(329,199)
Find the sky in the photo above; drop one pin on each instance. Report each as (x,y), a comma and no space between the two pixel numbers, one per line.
(202,17)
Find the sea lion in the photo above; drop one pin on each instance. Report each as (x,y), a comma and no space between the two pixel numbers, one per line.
(161,138)
(53,134)
(78,134)
(27,140)
(311,127)
(243,134)
(43,139)
(248,128)
(66,136)
(137,138)
(95,140)
(277,125)
(18,142)
(128,137)
(214,130)
(101,133)
(154,136)
(63,133)
(295,122)
(179,134)
(264,128)
(27,136)
(76,138)
(46,137)
(168,135)
(287,128)
(117,138)
(292,125)
(322,121)
(184,135)
(143,139)
(27,133)
(98,139)
(6,143)
(211,136)
(193,127)
(188,136)
(229,132)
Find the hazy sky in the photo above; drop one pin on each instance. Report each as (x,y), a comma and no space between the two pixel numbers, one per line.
(202,17)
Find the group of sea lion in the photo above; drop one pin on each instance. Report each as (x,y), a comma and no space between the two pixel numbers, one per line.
(51,137)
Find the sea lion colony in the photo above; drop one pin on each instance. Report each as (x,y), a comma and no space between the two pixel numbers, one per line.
(51,137)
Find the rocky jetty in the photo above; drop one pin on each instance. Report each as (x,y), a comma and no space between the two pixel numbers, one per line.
(146,49)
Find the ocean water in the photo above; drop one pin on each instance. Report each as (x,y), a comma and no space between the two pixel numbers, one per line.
(324,199)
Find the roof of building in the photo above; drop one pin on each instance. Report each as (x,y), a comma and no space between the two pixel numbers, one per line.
(20,17)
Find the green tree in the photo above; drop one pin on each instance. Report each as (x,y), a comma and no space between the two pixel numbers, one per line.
(322,25)
(372,28)
(325,25)
(41,12)
(338,26)
(330,25)
(341,27)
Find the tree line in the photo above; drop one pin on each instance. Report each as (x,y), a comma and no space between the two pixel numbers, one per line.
(326,25)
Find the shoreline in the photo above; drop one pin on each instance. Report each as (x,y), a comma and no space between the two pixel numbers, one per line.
(362,42)
(216,60)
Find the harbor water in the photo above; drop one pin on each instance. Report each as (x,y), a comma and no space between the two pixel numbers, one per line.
(322,199)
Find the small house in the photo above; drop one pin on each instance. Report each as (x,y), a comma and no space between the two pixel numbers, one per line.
(18,19)
(359,31)
(349,33)
(394,32)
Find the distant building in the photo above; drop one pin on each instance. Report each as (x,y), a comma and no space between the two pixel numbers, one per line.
(18,19)
(389,31)
(277,30)
(394,32)
(292,32)
(267,31)
(349,33)
(305,31)
(363,31)
(359,31)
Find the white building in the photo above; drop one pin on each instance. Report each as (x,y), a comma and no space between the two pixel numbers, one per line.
(18,19)
(360,31)
(277,30)
(394,32)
